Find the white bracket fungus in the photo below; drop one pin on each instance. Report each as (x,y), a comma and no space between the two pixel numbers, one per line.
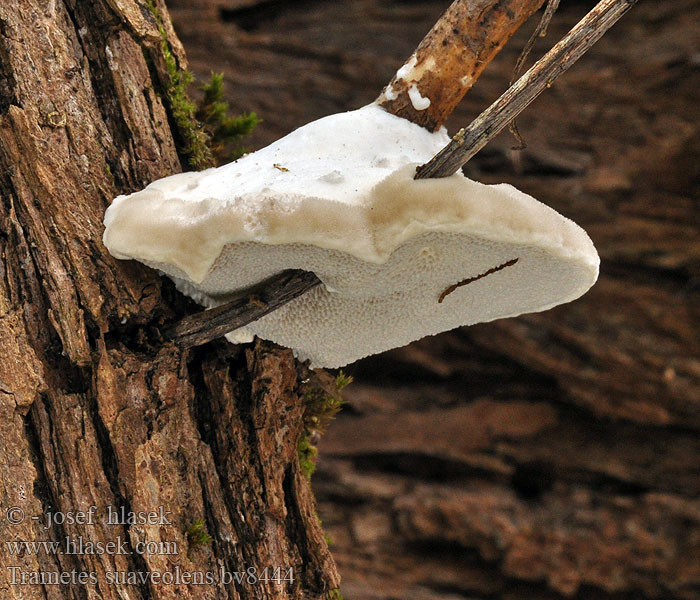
(399,258)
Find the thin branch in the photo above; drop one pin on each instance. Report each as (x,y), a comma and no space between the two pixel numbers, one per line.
(258,301)
(540,32)
(468,141)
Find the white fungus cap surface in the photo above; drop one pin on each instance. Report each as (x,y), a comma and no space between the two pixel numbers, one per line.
(337,197)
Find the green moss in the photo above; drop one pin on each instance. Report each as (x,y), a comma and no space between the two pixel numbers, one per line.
(225,131)
(206,135)
(321,404)
(197,534)
(335,595)
(307,455)
(109,174)
(192,139)
(342,380)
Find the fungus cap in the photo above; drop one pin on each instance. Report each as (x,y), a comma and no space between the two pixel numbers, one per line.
(399,258)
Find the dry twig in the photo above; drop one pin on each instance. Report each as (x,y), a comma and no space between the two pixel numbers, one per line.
(540,32)
(268,295)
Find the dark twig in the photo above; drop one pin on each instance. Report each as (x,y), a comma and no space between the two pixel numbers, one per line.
(258,301)
(468,141)
(540,32)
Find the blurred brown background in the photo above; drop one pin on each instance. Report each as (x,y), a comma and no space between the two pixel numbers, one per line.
(555,455)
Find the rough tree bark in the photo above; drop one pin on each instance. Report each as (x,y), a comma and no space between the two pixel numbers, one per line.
(94,408)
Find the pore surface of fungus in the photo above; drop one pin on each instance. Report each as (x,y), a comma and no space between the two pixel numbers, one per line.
(399,258)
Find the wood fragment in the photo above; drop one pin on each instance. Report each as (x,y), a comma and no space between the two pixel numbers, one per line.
(451,57)
(447,291)
(468,141)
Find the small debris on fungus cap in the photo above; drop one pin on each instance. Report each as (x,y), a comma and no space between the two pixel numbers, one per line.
(399,258)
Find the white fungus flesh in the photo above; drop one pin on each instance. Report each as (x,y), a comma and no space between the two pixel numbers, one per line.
(399,258)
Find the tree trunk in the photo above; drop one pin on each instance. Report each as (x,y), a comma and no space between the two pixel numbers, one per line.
(96,410)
